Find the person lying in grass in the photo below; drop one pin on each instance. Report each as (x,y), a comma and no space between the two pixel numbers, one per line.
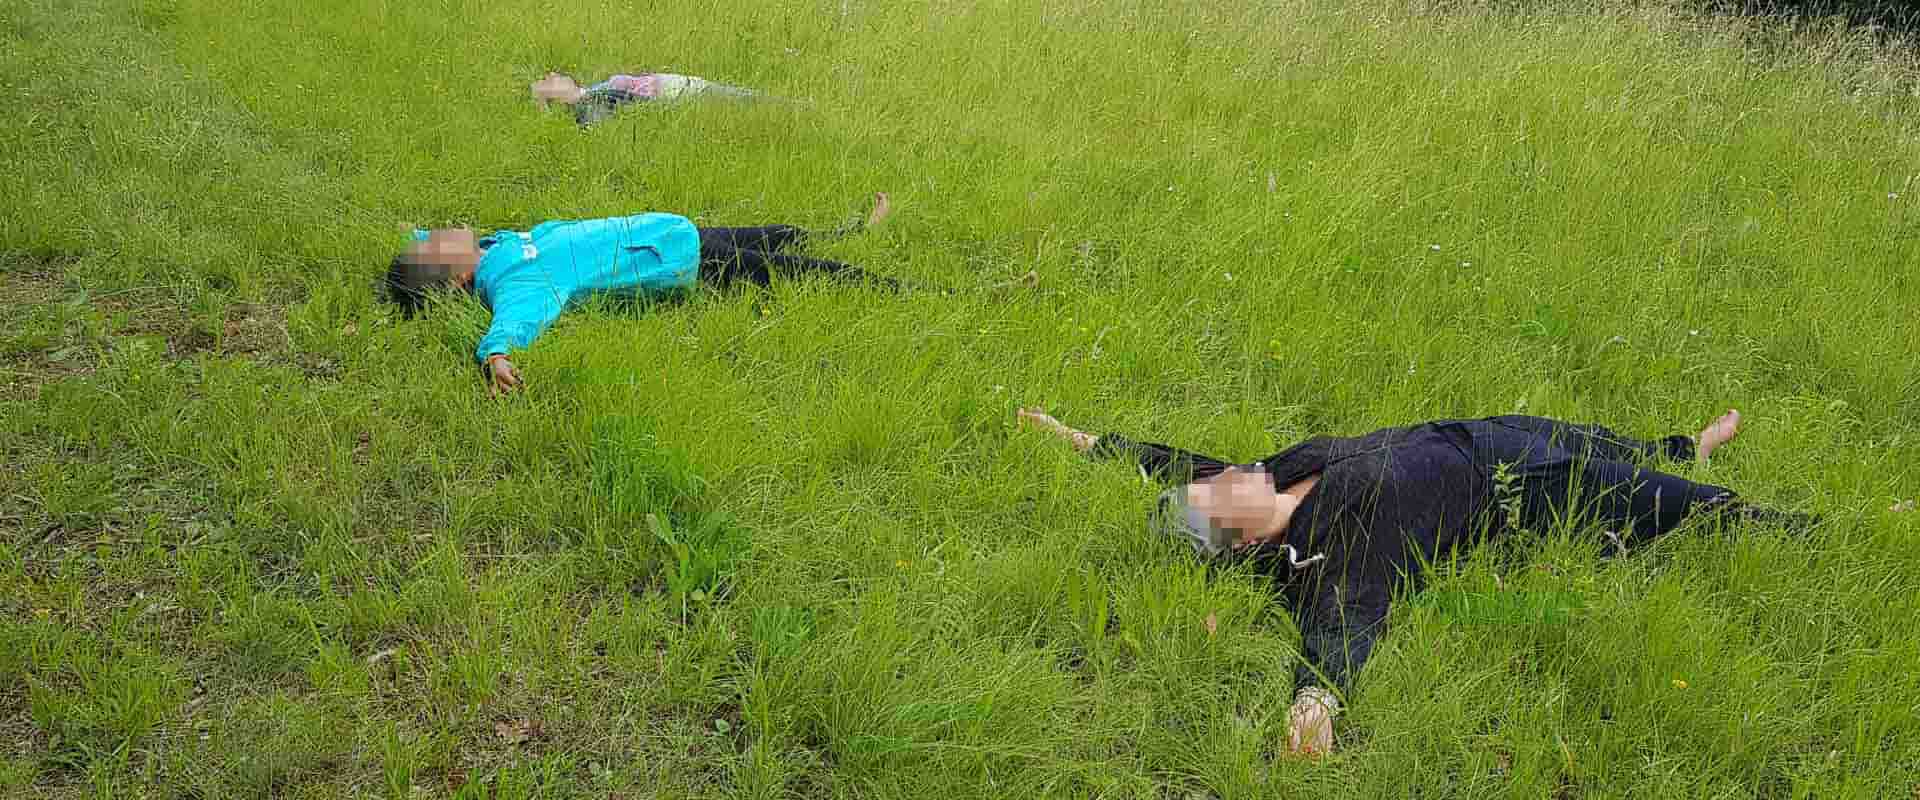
(594,103)
(528,278)
(1342,523)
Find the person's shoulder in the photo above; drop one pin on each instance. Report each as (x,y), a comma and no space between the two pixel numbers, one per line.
(1300,460)
(1385,440)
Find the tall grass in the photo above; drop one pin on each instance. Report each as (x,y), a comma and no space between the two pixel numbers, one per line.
(266,539)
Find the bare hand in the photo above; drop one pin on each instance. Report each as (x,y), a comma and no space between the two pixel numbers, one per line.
(1082,441)
(504,377)
(1310,724)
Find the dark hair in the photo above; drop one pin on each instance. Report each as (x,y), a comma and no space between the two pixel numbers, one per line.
(403,286)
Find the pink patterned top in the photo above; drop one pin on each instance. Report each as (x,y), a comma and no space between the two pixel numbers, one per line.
(647,85)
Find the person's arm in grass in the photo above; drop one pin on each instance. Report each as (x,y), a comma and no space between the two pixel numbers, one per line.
(1341,596)
(1156,460)
(1338,629)
(521,312)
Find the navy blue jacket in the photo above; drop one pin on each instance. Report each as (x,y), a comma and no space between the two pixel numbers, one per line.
(1393,500)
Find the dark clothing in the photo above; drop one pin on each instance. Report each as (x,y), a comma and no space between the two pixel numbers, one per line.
(753,254)
(770,238)
(1391,500)
(600,104)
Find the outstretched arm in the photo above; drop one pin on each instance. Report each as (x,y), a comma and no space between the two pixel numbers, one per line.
(1339,623)
(1156,460)
(520,314)
(1082,441)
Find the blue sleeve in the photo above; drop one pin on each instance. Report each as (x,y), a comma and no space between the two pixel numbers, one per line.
(520,314)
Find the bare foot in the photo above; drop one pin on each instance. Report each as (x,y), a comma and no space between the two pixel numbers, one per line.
(1717,432)
(882,208)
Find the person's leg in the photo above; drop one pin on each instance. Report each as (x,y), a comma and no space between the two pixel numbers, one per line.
(668,86)
(730,90)
(768,238)
(774,238)
(1598,441)
(721,265)
(1637,505)
(1732,507)
(1642,503)
(702,86)
(791,266)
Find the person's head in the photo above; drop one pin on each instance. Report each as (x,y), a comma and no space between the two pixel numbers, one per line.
(1233,510)
(557,88)
(443,258)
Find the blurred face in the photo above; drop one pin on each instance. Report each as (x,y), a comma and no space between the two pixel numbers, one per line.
(556,87)
(448,254)
(1240,500)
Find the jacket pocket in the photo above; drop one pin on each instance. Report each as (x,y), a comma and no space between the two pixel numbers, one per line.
(646,266)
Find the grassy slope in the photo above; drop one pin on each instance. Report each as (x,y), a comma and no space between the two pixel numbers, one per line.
(262,539)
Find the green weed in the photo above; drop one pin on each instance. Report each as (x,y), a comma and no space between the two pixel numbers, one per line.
(263,537)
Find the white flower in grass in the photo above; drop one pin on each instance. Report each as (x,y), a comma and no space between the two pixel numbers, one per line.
(1434,247)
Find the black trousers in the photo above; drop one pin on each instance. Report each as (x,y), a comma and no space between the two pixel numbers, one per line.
(1556,469)
(754,255)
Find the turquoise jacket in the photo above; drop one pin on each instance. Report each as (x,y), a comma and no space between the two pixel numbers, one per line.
(529,278)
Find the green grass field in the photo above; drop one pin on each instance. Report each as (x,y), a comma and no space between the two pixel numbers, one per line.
(261,538)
